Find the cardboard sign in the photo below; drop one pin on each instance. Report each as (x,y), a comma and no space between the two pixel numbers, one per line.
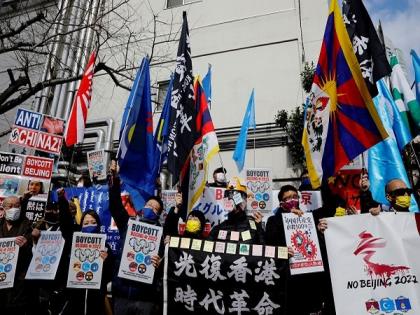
(96,164)
(258,181)
(375,264)
(37,131)
(47,256)
(141,244)
(301,236)
(9,252)
(85,270)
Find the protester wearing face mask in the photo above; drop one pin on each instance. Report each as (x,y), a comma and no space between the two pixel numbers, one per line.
(131,297)
(219,177)
(57,217)
(250,229)
(90,301)
(21,298)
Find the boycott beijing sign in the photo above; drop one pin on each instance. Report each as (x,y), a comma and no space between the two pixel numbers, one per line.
(37,131)
(301,235)
(96,164)
(20,173)
(258,182)
(205,277)
(85,270)
(375,264)
(9,252)
(141,244)
(47,256)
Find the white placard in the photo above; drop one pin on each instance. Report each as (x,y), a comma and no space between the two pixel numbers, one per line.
(47,256)
(310,200)
(85,270)
(258,181)
(96,164)
(301,235)
(9,252)
(141,244)
(375,263)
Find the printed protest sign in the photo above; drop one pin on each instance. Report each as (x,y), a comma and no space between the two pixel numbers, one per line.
(375,264)
(141,244)
(85,270)
(258,181)
(310,200)
(47,256)
(346,186)
(36,131)
(212,205)
(20,173)
(9,252)
(204,277)
(168,199)
(96,164)
(301,235)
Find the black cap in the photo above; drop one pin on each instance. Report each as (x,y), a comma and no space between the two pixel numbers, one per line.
(219,170)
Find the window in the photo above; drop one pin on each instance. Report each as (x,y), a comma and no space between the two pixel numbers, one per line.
(161,95)
(176,3)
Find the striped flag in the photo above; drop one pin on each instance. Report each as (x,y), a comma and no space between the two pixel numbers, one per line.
(75,127)
(341,121)
(205,147)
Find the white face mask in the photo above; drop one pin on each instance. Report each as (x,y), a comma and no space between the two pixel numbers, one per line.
(12,214)
(80,184)
(220,177)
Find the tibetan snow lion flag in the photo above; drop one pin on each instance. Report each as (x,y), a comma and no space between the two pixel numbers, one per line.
(341,121)
(375,264)
(205,147)
(75,128)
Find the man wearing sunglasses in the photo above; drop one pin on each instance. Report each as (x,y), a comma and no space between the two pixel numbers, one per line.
(398,195)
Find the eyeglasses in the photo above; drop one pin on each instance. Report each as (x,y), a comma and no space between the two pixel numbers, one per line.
(401,192)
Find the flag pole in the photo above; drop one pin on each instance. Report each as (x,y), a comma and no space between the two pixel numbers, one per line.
(254,147)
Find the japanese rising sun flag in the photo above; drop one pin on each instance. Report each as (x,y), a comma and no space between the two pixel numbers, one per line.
(75,127)
(341,121)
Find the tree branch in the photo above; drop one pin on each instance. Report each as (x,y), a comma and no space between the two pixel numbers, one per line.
(13,32)
(13,88)
(102,66)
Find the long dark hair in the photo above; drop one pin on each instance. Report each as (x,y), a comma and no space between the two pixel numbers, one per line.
(91,213)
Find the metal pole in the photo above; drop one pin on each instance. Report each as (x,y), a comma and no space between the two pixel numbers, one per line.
(50,65)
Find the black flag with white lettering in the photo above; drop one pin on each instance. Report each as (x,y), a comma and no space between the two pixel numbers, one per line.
(182,124)
(366,44)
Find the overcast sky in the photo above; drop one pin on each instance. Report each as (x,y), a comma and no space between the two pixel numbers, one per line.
(400,22)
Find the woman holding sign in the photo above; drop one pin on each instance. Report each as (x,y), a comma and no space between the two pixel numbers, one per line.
(91,301)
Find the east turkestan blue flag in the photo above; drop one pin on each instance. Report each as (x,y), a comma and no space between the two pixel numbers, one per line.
(416,65)
(248,122)
(136,154)
(206,83)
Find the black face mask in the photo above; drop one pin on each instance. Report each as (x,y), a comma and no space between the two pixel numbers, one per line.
(51,217)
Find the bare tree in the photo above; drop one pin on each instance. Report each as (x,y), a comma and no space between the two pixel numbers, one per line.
(46,47)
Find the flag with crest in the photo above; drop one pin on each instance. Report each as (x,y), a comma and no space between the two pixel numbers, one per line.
(205,147)
(341,121)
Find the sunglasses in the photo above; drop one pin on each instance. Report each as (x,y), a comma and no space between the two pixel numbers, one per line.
(401,192)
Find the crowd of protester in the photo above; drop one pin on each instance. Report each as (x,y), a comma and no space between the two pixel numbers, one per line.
(121,296)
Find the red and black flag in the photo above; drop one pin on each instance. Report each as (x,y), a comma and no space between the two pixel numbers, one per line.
(366,44)
(182,124)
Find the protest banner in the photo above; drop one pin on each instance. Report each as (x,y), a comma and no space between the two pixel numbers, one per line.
(258,181)
(375,264)
(36,131)
(301,235)
(85,269)
(205,277)
(310,200)
(142,242)
(346,186)
(47,256)
(96,164)
(9,252)
(168,199)
(20,173)
(211,204)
